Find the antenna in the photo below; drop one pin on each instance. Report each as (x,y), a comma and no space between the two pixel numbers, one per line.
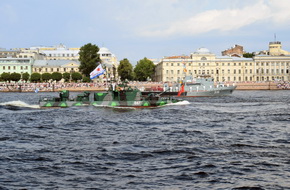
(274,37)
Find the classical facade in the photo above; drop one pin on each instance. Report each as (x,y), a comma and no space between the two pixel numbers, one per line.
(223,68)
(50,66)
(17,65)
(269,68)
(110,62)
(59,52)
(8,53)
(57,59)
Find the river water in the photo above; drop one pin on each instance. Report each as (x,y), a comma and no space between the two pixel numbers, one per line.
(240,141)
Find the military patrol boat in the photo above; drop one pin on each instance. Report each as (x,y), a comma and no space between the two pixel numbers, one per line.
(117,96)
(64,100)
(196,87)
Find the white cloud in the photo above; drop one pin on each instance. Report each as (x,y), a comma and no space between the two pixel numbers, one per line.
(227,19)
(280,11)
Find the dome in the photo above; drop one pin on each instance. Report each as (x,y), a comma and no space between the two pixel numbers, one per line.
(104,50)
(202,51)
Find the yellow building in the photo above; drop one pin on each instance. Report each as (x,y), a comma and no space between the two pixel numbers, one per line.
(50,66)
(275,49)
(223,68)
(110,62)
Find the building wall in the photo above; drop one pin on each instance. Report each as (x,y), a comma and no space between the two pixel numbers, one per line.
(17,65)
(275,49)
(111,63)
(50,66)
(8,53)
(224,68)
(234,51)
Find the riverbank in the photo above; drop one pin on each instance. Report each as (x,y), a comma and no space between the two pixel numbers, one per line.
(142,86)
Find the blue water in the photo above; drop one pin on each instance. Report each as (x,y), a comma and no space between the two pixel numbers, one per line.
(240,141)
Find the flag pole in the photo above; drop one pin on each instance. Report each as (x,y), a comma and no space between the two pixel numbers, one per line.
(106,74)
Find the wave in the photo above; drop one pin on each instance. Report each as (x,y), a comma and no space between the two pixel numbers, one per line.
(184,102)
(19,103)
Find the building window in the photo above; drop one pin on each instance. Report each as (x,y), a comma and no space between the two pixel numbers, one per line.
(3,67)
(172,64)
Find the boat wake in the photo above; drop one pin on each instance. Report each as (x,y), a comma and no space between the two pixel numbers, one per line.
(184,102)
(19,104)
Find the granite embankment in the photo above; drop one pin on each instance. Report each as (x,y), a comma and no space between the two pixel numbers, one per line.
(258,86)
(141,86)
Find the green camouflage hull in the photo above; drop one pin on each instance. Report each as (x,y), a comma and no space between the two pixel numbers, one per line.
(122,98)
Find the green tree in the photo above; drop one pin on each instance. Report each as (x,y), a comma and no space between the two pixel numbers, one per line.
(5,76)
(35,77)
(86,79)
(89,58)
(125,70)
(76,76)
(66,76)
(25,76)
(144,69)
(46,77)
(56,76)
(15,76)
(249,55)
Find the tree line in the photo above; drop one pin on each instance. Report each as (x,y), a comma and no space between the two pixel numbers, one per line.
(90,59)
(45,77)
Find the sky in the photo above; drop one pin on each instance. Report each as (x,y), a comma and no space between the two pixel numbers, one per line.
(135,29)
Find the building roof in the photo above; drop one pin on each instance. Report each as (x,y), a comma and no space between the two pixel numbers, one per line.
(177,57)
(234,58)
(104,50)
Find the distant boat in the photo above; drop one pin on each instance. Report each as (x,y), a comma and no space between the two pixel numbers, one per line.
(196,87)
